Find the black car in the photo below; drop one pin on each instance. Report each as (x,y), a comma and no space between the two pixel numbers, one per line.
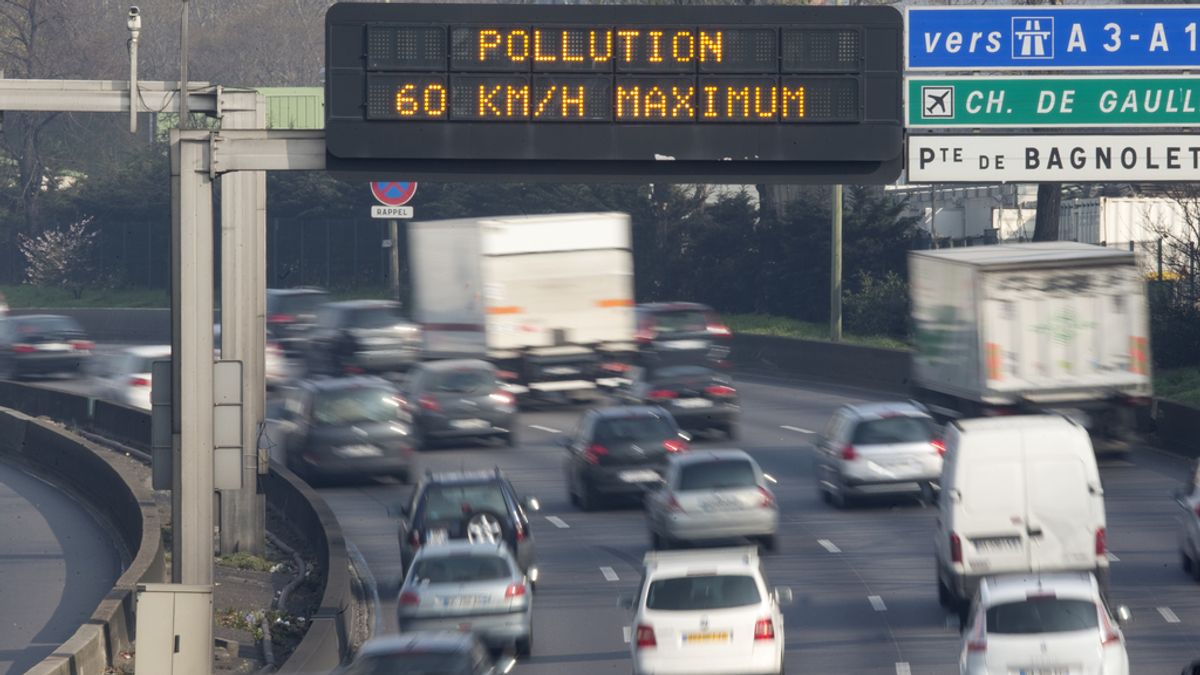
(42,344)
(619,452)
(459,399)
(291,315)
(678,332)
(698,397)
(352,427)
(420,653)
(471,505)
(359,336)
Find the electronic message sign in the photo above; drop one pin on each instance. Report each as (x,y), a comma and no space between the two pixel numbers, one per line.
(811,94)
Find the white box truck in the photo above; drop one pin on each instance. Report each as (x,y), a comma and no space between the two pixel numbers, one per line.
(548,299)
(1040,327)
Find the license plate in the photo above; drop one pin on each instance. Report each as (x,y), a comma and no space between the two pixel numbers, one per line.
(1047,670)
(561,370)
(464,601)
(685,344)
(720,636)
(54,347)
(997,544)
(469,424)
(638,476)
(358,451)
(723,504)
(693,403)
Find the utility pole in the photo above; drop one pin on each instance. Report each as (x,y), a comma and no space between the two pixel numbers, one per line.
(835,269)
(184,113)
(394,235)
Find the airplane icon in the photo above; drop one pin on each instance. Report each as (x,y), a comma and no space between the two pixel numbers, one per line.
(937,102)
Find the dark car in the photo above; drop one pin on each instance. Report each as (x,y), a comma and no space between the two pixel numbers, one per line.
(619,452)
(42,344)
(471,505)
(459,399)
(427,653)
(698,397)
(676,332)
(352,427)
(291,315)
(362,336)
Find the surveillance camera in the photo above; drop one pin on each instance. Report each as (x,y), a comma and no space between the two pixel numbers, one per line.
(134,11)
(135,18)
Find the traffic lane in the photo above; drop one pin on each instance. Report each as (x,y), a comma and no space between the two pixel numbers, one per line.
(56,564)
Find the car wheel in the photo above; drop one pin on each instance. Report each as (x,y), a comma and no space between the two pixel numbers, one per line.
(945,597)
(510,439)
(587,497)
(1185,562)
(1195,569)
(419,442)
(769,543)
(731,431)
(524,645)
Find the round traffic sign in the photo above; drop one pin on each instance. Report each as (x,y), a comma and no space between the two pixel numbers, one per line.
(393,193)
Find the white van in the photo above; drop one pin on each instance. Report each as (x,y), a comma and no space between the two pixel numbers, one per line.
(1019,494)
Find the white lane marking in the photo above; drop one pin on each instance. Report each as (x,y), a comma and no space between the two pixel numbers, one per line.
(1168,615)
(625,633)
(609,574)
(549,430)
(877,603)
(799,430)
(1112,557)
(558,522)
(829,546)
(902,668)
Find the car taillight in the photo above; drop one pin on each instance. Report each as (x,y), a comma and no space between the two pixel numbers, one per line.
(643,337)
(764,629)
(1108,634)
(674,505)
(594,452)
(662,394)
(675,445)
(409,599)
(849,453)
(429,403)
(1101,541)
(720,390)
(514,591)
(977,642)
(82,345)
(645,636)
(414,538)
(519,531)
(23,348)
(281,318)
(504,398)
(616,367)
(719,330)
(1197,510)
(939,446)
(139,382)
(768,499)
(955,548)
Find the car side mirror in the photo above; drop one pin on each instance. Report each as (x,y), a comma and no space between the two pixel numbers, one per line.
(625,602)
(532,504)
(783,596)
(504,664)
(1124,616)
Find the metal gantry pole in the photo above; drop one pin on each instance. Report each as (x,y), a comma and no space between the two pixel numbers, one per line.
(394,257)
(835,268)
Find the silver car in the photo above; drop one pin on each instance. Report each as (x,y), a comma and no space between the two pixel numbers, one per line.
(709,495)
(477,587)
(1188,499)
(878,448)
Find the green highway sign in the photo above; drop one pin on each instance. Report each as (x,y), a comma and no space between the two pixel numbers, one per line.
(1069,101)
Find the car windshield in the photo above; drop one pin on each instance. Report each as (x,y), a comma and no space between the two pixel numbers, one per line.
(1042,615)
(412,663)
(697,593)
(45,325)
(720,474)
(460,569)
(454,502)
(376,317)
(901,429)
(629,429)
(463,381)
(339,407)
(295,303)
(689,321)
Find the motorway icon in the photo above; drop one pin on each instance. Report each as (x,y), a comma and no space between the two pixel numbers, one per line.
(937,103)
(1033,37)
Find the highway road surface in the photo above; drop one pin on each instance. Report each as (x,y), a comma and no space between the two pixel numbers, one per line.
(56,564)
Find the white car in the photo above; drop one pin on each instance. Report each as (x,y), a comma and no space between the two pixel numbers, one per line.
(1188,499)
(708,495)
(125,376)
(706,611)
(1043,623)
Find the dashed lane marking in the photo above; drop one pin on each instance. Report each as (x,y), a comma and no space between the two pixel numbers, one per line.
(877,603)
(558,522)
(625,633)
(829,546)
(1112,557)
(1168,615)
(609,574)
(902,668)
(549,430)
(799,430)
